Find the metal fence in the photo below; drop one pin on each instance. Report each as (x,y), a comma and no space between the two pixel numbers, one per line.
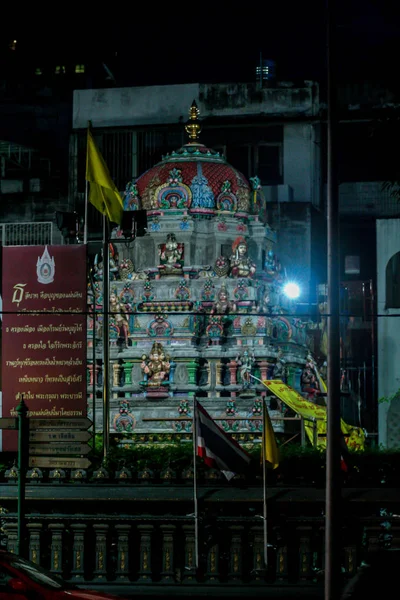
(26,234)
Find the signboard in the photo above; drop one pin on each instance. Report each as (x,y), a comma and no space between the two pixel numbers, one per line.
(58,462)
(44,332)
(74,423)
(58,448)
(8,423)
(59,436)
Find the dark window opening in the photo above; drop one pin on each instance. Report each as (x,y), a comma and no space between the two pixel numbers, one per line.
(393,282)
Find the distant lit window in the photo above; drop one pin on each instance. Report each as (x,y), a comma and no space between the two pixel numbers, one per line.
(393,282)
(60,70)
(38,71)
(79,68)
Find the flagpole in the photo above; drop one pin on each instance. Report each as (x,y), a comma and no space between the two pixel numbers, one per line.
(85,228)
(106,338)
(196,516)
(265,522)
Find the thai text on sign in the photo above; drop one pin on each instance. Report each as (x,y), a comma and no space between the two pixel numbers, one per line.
(44,330)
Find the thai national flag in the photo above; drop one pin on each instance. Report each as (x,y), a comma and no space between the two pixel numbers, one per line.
(217,448)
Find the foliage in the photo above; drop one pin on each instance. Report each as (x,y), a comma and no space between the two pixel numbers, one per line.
(390,398)
(393,187)
(299,465)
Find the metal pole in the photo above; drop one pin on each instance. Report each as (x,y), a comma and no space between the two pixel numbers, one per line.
(23,441)
(264,470)
(196,513)
(303,433)
(94,366)
(106,338)
(85,227)
(333,476)
(315,433)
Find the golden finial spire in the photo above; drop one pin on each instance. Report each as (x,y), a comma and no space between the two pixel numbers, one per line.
(193,126)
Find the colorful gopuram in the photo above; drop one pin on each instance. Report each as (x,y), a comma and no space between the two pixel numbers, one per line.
(196,305)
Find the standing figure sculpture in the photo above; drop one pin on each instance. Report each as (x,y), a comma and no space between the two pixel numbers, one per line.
(113,265)
(240,263)
(279,371)
(246,362)
(309,382)
(118,313)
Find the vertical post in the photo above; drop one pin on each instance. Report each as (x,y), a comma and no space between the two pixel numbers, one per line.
(264,471)
(196,515)
(333,479)
(94,367)
(85,227)
(315,432)
(106,338)
(23,441)
(302,432)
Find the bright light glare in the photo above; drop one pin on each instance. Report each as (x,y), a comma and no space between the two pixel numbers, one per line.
(291,290)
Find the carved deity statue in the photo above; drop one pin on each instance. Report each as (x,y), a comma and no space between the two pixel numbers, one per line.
(309,382)
(171,255)
(279,371)
(118,313)
(246,362)
(265,303)
(240,263)
(127,271)
(113,265)
(156,366)
(223,305)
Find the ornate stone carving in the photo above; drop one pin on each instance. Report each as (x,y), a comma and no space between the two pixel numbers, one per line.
(156,366)
(171,256)
(223,305)
(240,263)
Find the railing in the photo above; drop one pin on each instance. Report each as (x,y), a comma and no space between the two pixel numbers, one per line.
(138,549)
(26,234)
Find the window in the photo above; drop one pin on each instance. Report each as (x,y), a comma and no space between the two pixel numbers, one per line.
(268,163)
(393,282)
(79,68)
(240,158)
(263,160)
(60,70)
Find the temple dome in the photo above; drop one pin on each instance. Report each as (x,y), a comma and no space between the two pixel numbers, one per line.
(194,177)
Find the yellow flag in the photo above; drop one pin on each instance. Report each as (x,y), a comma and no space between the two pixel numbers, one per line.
(103,193)
(354,436)
(269,446)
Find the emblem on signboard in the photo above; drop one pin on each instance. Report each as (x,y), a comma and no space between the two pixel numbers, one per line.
(45,267)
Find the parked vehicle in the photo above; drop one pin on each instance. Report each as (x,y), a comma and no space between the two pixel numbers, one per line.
(21,579)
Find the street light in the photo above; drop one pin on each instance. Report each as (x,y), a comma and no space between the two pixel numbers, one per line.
(291,290)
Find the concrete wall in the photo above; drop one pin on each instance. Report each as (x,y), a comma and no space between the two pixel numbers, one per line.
(155,105)
(292,222)
(388,337)
(298,160)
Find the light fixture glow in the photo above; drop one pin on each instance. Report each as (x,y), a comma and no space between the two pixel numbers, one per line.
(291,290)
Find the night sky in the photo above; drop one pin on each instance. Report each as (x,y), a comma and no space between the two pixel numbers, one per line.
(183,42)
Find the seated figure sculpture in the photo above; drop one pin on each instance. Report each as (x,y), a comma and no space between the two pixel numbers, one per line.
(156,366)
(171,256)
(240,263)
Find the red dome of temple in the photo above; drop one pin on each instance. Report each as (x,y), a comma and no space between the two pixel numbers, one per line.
(193,177)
